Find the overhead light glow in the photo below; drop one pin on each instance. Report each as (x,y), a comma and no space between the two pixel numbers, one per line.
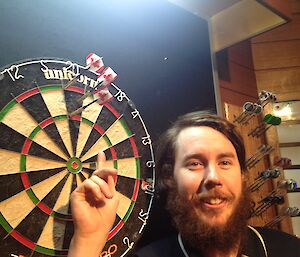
(284,112)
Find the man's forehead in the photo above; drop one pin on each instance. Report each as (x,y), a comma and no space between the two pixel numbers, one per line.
(198,131)
(202,136)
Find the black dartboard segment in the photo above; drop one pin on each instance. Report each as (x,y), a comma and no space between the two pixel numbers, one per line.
(46,152)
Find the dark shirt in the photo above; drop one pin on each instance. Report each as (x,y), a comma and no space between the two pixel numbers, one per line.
(277,244)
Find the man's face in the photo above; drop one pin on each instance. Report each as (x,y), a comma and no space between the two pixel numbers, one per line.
(207,172)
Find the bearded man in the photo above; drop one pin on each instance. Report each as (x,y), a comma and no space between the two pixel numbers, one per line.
(201,165)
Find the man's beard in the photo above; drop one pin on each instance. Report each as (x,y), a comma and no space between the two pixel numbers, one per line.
(199,234)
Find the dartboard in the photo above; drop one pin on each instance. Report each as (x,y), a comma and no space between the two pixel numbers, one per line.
(48,148)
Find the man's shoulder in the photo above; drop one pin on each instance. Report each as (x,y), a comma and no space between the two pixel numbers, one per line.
(279,243)
(165,247)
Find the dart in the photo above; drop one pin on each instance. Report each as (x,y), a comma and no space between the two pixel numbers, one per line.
(273,197)
(284,212)
(93,63)
(265,97)
(267,202)
(287,184)
(103,81)
(248,107)
(89,93)
(284,184)
(261,126)
(259,150)
(71,81)
(274,121)
(264,176)
(104,97)
(260,129)
(81,109)
(252,109)
(258,155)
(257,110)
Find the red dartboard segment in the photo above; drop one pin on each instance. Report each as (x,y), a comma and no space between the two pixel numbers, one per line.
(134,148)
(22,239)
(113,110)
(136,190)
(98,128)
(45,208)
(116,229)
(75,89)
(75,117)
(46,122)
(26,146)
(113,153)
(25,180)
(27,94)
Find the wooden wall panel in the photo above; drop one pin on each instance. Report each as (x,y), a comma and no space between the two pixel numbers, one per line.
(280,80)
(235,98)
(242,80)
(271,61)
(276,60)
(276,54)
(235,91)
(295,6)
(241,83)
(241,54)
(251,145)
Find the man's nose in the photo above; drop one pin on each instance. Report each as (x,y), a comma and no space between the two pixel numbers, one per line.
(212,177)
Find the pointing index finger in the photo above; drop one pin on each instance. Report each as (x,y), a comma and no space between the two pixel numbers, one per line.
(105,173)
(101,160)
(102,170)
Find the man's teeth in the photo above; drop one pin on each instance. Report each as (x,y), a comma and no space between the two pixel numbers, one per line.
(214,201)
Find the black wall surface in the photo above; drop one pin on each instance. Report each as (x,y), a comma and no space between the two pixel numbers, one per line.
(160,51)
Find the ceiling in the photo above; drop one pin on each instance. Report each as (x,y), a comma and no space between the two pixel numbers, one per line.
(232,21)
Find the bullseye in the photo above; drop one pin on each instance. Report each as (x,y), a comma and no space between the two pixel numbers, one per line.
(74,165)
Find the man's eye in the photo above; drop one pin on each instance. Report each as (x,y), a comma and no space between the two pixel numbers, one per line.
(194,165)
(225,163)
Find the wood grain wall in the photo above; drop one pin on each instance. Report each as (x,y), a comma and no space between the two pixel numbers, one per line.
(238,85)
(276,55)
(276,60)
(270,61)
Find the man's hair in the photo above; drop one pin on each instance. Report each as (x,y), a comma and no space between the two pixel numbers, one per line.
(167,145)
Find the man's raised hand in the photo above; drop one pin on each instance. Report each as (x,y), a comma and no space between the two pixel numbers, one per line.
(94,205)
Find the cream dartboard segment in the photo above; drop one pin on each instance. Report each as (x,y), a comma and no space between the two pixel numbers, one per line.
(55,116)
